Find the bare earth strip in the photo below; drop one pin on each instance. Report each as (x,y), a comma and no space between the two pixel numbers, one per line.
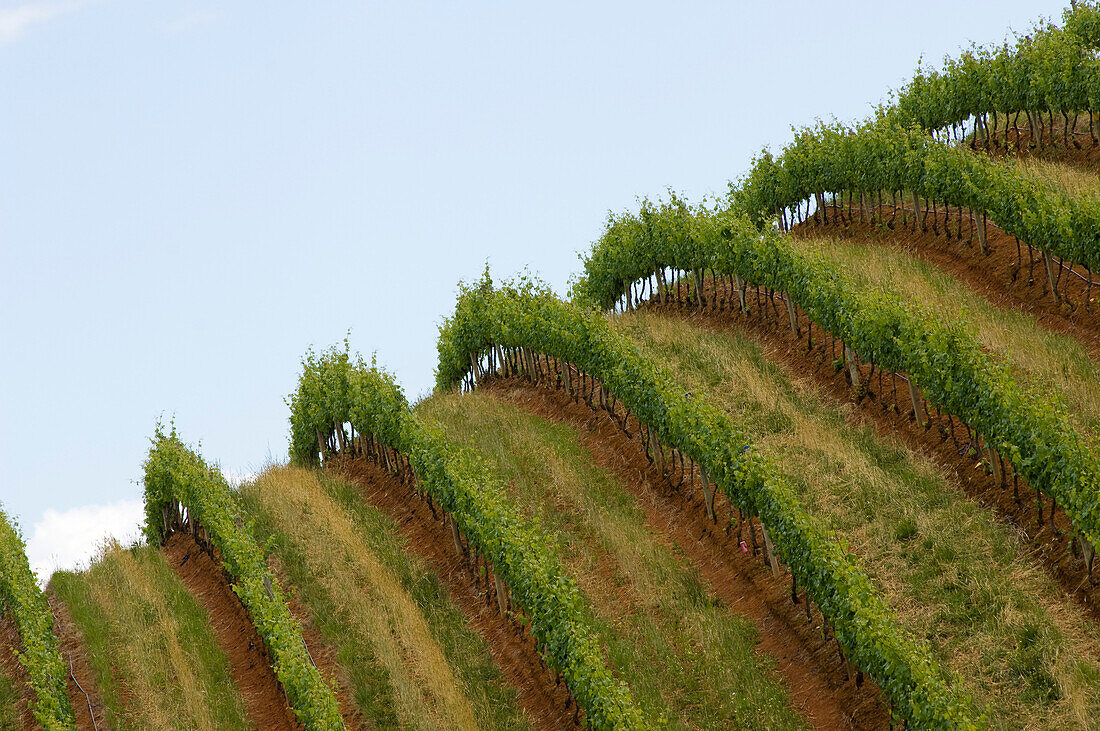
(249,663)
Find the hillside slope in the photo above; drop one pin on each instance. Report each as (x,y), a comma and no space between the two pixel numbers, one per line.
(1079,184)
(952,573)
(1007,277)
(696,651)
(156,660)
(1085,159)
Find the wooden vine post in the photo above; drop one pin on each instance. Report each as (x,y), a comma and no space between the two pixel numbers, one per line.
(708,493)
(982,233)
(793,314)
(770,550)
(919,413)
(1048,263)
(502,601)
(853,366)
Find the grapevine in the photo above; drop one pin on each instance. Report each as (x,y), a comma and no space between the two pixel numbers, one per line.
(527,329)
(1050,70)
(343,404)
(944,363)
(879,160)
(39,654)
(183,492)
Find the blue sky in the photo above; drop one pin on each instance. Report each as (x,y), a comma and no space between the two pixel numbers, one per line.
(194,193)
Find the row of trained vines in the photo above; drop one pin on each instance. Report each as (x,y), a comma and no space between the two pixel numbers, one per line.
(1051,70)
(882,163)
(342,404)
(23,600)
(183,492)
(530,331)
(944,364)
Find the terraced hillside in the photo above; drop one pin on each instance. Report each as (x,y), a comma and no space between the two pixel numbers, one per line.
(956,577)
(699,644)
(824,454)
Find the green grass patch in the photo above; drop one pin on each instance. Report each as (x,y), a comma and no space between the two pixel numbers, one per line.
(9,704)
(368,678)
(154,656)
(1060,177)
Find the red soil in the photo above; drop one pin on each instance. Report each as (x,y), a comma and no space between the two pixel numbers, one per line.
(14,670)
(994,276)
(544,702)
(1050,539)
(815,676)
(74,653)
(249,662)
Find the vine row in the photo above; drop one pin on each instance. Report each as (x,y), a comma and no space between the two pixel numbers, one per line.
(1049,70)
(943,364)
(881,162)
(39,653)
(525,329)
(182,492)
(343,406)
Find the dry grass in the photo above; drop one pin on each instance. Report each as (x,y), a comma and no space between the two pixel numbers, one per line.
(687,657)
(403,647)
(376,607)
(955,577)
(157,662)
(1048,363)
(1059,176)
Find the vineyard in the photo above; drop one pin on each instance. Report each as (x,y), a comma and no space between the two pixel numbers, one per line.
(823,452)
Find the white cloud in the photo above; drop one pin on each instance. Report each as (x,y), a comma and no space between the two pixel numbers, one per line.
(70,539)
(236,478)
(15,22)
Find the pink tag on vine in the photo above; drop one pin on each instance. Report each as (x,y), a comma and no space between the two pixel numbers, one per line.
(744,548)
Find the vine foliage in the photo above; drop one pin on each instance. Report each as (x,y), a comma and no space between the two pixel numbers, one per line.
(342,401)
(882,158)
(39,654)
(513,323)
(945,361)
(1049,70)
(178,482)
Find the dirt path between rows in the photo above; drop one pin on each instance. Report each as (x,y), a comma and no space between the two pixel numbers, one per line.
(814,674)
(14,670)
(1014,505)
(249,662)
(75,656)
(992,276)
(543,702)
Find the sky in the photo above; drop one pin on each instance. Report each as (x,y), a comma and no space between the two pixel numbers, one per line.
(193,194)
